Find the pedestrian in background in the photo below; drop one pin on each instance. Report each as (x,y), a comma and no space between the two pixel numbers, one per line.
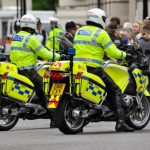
(126,36)
(116,20)
(68,37)
(137,29)
(40,32)
(144,41)
(111,29)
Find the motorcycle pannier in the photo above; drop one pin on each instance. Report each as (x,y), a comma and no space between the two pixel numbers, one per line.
(91,88)
(17,86)
(7,67)
(46,79)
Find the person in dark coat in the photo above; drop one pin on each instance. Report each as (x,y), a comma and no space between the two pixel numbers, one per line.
(68,37)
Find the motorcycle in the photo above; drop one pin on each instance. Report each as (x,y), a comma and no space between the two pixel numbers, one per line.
(80,97)
(18,97)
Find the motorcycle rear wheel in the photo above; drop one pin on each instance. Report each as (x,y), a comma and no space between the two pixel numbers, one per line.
(140,118)
(66,123)
(7,121)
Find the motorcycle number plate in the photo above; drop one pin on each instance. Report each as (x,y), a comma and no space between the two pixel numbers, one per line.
(57,89)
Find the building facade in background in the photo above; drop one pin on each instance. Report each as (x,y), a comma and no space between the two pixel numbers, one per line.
(11,4)
(126,10)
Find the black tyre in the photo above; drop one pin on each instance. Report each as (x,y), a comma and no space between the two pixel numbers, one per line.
(66,123)
(140,118)
(7,121)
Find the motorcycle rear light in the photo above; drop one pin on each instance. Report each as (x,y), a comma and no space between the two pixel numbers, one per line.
(47,74)
(58,75)
(79,75)
(5,75)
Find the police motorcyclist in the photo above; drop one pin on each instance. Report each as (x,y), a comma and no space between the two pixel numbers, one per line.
(25,48)
(91,43)
(53,41)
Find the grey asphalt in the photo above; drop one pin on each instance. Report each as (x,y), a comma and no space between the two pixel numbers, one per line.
(36,135)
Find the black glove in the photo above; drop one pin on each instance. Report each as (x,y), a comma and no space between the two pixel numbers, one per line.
(63,57)
(129,57)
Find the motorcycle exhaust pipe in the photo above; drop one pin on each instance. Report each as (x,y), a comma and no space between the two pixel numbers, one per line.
(8,111)
(78,113)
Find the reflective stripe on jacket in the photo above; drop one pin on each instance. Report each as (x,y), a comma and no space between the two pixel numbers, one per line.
(25,48)
(54,34)
(91,43)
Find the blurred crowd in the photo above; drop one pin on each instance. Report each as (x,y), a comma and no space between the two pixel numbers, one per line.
(139,29)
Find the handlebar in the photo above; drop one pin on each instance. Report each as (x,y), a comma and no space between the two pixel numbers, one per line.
(42,64)
(106,63)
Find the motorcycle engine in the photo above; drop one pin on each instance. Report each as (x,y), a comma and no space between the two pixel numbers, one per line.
(127,101)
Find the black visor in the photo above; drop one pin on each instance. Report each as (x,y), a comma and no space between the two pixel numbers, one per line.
(104,18)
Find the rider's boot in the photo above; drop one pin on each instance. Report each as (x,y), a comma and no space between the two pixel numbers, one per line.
(42,108)
(50,112)
(53,124)
(121,126)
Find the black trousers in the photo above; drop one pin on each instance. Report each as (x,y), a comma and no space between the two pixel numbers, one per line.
(114,92)
(38,84)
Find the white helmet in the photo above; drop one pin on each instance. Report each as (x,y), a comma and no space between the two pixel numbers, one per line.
(28,21)
(97,16)
(53,19)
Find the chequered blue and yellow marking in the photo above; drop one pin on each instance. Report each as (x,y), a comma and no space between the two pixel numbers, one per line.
(141,81)
(21,91)
(139,76)
(95,91)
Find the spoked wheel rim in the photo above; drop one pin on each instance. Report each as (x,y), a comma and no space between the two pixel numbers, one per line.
(7,120)
(74,123)
(140,117)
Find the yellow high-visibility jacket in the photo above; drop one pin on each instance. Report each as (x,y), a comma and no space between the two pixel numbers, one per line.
(91,43)
(25,48)
(54,35)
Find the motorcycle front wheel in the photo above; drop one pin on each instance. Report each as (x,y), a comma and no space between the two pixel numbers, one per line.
(66,123)
(140,118)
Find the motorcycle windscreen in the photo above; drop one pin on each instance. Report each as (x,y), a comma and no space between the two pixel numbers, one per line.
(119,75)
(91,88)
(17,87)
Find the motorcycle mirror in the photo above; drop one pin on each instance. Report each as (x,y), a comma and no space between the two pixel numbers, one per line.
(117,42)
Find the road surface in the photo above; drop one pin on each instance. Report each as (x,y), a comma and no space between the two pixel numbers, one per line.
(36,135)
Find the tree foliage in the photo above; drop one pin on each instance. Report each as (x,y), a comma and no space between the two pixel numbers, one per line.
(44,4)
